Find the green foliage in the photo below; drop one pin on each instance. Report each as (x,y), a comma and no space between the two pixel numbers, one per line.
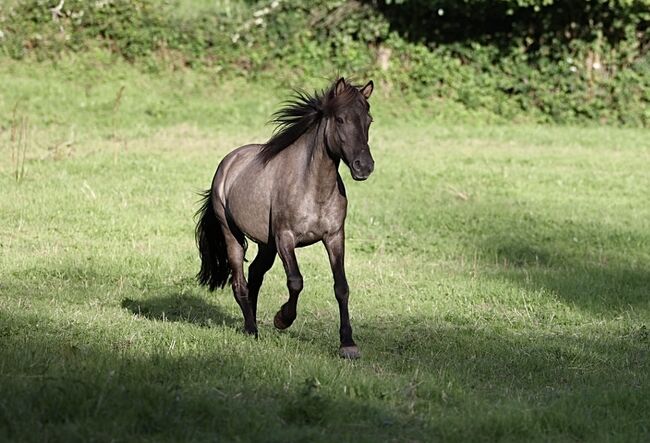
(567,62)
(132,29)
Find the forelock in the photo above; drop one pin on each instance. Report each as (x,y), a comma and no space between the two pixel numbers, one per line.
(333,103)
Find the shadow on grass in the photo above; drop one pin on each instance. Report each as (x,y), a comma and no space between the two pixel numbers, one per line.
(174,305)
(598,267)
(523,384)
(600,275)
(180,308)
(62,379)
(67,383)
(599,287)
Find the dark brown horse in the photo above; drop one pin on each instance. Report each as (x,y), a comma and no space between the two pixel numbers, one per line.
(285,194)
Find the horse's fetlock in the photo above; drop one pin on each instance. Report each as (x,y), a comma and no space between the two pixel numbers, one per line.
(346,331)
(288,312)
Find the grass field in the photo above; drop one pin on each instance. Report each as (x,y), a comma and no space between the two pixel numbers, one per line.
(499,274)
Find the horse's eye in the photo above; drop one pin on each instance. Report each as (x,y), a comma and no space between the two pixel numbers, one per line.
(339,120)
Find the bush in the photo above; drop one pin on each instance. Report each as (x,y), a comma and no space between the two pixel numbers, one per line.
(569,61)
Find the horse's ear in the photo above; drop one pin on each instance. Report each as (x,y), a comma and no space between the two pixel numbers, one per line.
(340,86)
(367,90)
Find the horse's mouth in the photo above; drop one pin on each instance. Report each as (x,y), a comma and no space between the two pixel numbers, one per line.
(360,177)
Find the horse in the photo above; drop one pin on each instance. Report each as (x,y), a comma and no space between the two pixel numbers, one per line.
(286,194)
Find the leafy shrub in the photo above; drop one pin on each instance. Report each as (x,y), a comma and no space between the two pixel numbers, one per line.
(569,61)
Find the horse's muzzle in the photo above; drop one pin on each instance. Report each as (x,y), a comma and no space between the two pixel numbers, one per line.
(362,166)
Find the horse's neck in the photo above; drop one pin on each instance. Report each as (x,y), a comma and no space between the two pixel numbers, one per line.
(321,174)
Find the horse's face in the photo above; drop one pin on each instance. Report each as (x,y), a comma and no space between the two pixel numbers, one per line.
(349,134)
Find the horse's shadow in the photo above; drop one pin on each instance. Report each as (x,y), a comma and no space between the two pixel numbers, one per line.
(180,308)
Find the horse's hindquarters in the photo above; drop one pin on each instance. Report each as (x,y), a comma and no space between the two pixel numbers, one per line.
(243,188)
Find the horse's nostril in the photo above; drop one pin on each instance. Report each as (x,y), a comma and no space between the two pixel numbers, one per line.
(356,164)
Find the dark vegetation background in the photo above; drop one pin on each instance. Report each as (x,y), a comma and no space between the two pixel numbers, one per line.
(574,61)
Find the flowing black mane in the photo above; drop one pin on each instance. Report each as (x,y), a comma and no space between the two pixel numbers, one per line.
(303,112)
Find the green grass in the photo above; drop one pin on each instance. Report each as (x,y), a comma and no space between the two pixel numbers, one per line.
(499,274)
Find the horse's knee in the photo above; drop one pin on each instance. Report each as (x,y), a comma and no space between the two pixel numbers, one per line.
(295,284)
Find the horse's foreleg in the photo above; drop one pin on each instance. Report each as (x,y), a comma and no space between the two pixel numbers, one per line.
(235,248)
(286,245)
(335,245)
(262,263)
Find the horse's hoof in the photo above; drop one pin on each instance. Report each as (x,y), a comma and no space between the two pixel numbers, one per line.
(252,332)
(349,352)
(278,322)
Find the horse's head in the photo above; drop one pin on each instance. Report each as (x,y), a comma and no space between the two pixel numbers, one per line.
(348,124)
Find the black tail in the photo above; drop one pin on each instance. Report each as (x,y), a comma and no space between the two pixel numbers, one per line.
(215,268)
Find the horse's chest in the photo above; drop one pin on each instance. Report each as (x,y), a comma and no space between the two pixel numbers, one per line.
(313,222)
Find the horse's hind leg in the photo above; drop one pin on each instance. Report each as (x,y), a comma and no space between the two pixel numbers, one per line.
(286,250)
(262,263)
(235,248)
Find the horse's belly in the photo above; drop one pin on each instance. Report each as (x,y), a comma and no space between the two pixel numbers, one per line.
(250,213)
(308,238)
